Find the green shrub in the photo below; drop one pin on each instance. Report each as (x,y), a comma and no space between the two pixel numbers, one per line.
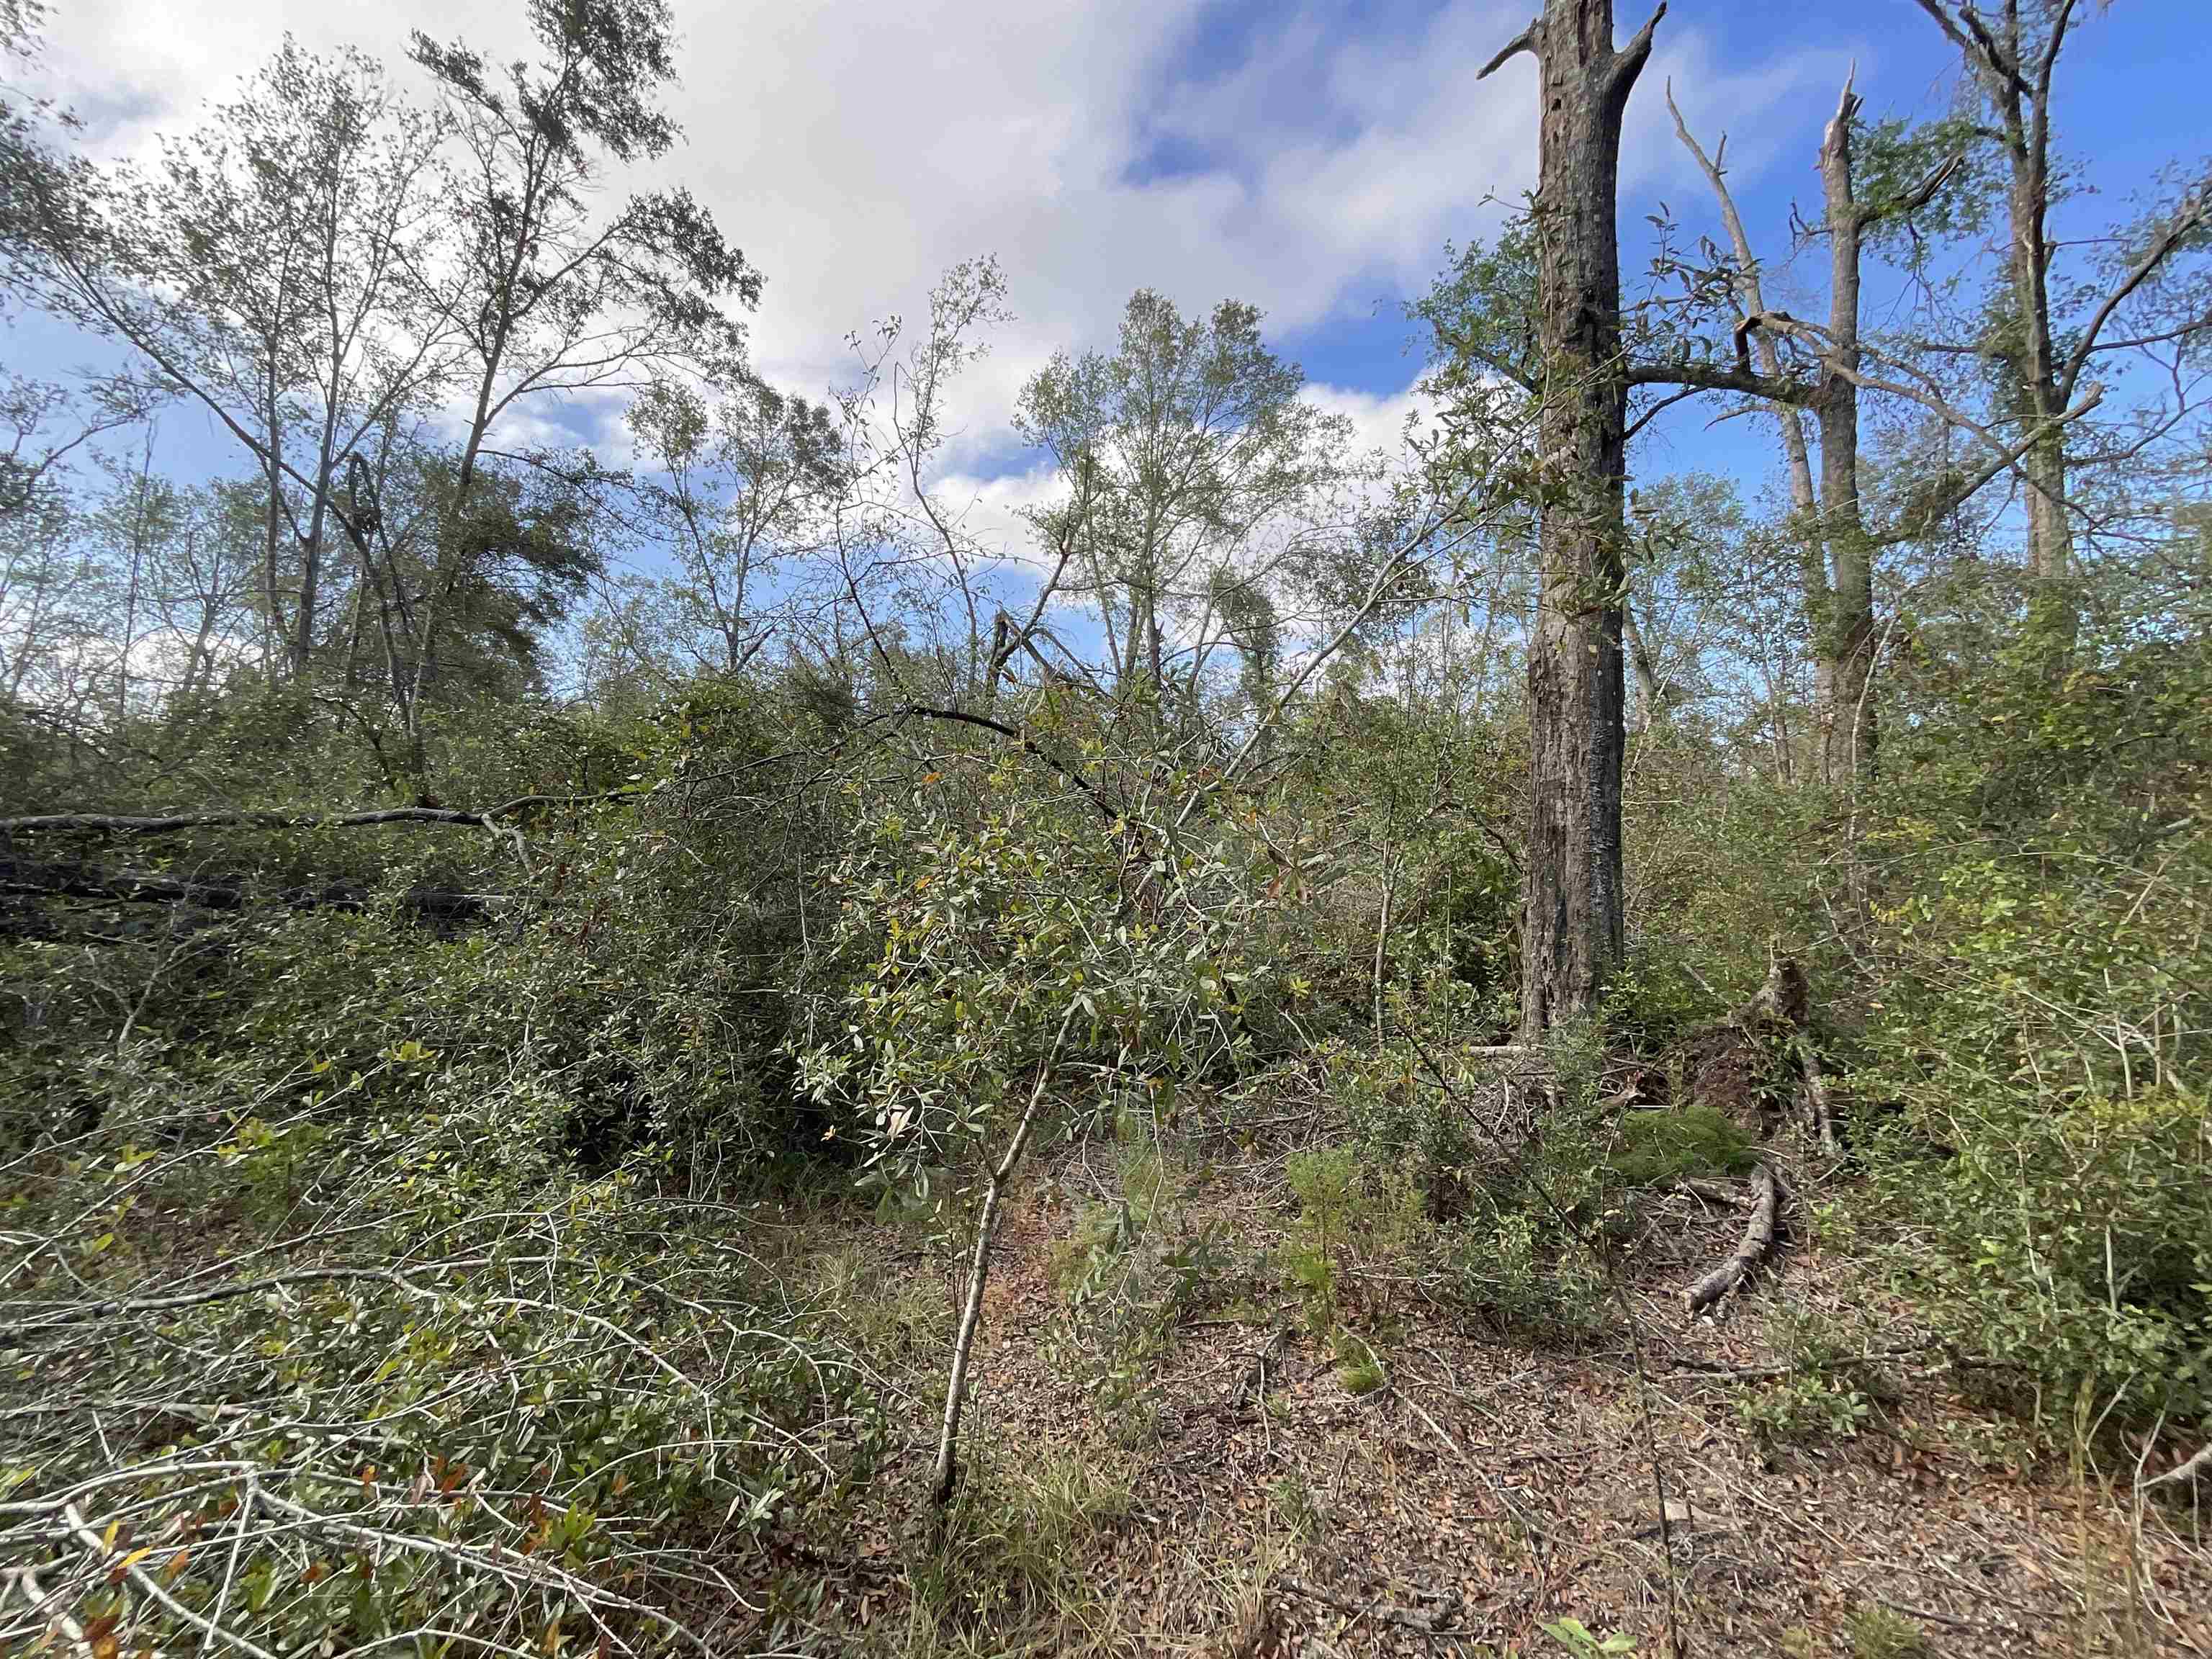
(1878,1633)
(2043,1031)
(1802,1408)
(1531,1277)
(1349,1213)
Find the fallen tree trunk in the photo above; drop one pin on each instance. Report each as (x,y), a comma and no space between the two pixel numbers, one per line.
(48,879)
(1758,1240)
(127,826)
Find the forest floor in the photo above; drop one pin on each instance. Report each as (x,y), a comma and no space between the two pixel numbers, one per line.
(1236,1497)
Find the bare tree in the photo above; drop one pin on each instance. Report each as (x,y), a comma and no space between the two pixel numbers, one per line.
(1837,568)
(1573,929)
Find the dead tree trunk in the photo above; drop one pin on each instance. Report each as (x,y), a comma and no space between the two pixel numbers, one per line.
(1845,635)
(1839,555)
(1573,930)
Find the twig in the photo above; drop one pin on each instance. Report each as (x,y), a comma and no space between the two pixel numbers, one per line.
(979,1270)
(139,1576)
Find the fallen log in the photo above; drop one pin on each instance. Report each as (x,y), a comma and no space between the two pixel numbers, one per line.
(1816,1094)
(1758,1240)
(31,879)
(131,826)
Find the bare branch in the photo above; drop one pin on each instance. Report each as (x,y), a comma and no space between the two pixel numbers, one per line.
(2187,219)
(1628,63)
(1922,193)
(962,717)
(1716,377)
(1530,41)
(1758,1240)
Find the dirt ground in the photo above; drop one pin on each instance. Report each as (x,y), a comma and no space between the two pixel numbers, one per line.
(1487,1487)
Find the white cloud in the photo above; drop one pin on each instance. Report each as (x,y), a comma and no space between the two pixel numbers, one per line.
(855,153)
(988,511)
(1379,419)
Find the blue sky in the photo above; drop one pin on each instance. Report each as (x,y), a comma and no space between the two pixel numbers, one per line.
(1313,158)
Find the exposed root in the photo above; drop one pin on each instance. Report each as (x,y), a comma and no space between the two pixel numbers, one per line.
(1758,1240)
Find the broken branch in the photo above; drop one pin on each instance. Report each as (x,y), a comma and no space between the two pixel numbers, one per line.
(1758,1240)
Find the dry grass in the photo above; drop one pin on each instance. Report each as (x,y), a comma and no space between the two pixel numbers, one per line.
(1484,1487)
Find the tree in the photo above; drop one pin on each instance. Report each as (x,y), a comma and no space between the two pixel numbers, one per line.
(1182,448)
(549,298)
(1835,572)
(1573,928)
(748,479)
(267,270)
(458,590)
(2012,59)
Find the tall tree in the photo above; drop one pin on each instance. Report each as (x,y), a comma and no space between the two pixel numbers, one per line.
(265,269)
(1573,926)
(551,298)
(2012,58)
(1183,444)
(1837,568)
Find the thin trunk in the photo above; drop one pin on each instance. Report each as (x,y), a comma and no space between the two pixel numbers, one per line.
(1382,940)
(2050,535)
(2017,90)
(143,506)
(1835,560)
(1650,688)
(1843,637)
(1573,928)
(272,629)
(948,1467)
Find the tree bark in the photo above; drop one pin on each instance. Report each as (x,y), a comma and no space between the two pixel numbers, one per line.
(1573,927)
